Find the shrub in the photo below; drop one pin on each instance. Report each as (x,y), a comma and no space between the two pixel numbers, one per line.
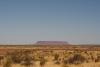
(26,59)
(56,56)
(76,59)
(7,62)
(1,58)
(42,61)
(57,62)
(16,56)
(98,59)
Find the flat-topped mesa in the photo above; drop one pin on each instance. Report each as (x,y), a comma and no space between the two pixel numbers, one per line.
(52,43)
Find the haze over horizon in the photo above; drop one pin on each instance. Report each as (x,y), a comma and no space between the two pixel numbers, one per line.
(28,21)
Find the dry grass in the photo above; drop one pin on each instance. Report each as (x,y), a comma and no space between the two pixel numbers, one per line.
(50,58)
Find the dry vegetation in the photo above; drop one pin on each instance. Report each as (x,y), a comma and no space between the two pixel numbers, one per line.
(50,58)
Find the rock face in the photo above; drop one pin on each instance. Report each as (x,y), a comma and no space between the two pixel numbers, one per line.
(52,43)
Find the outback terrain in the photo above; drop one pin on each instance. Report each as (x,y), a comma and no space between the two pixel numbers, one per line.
(50,54)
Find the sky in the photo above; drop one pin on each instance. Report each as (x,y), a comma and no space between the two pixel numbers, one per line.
(28,21)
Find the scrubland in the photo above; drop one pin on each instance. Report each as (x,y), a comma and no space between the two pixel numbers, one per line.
(50,58)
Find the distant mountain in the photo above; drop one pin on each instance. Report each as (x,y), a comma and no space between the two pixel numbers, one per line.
(52,43)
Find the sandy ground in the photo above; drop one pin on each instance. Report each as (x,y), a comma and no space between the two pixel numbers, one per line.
(51,64)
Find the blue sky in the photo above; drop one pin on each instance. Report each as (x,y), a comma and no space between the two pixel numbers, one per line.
(28,21)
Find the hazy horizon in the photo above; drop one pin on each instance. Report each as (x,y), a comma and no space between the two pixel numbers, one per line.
(29,21)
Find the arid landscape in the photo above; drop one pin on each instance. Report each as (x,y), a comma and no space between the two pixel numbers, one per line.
(54,55)
(49,33)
